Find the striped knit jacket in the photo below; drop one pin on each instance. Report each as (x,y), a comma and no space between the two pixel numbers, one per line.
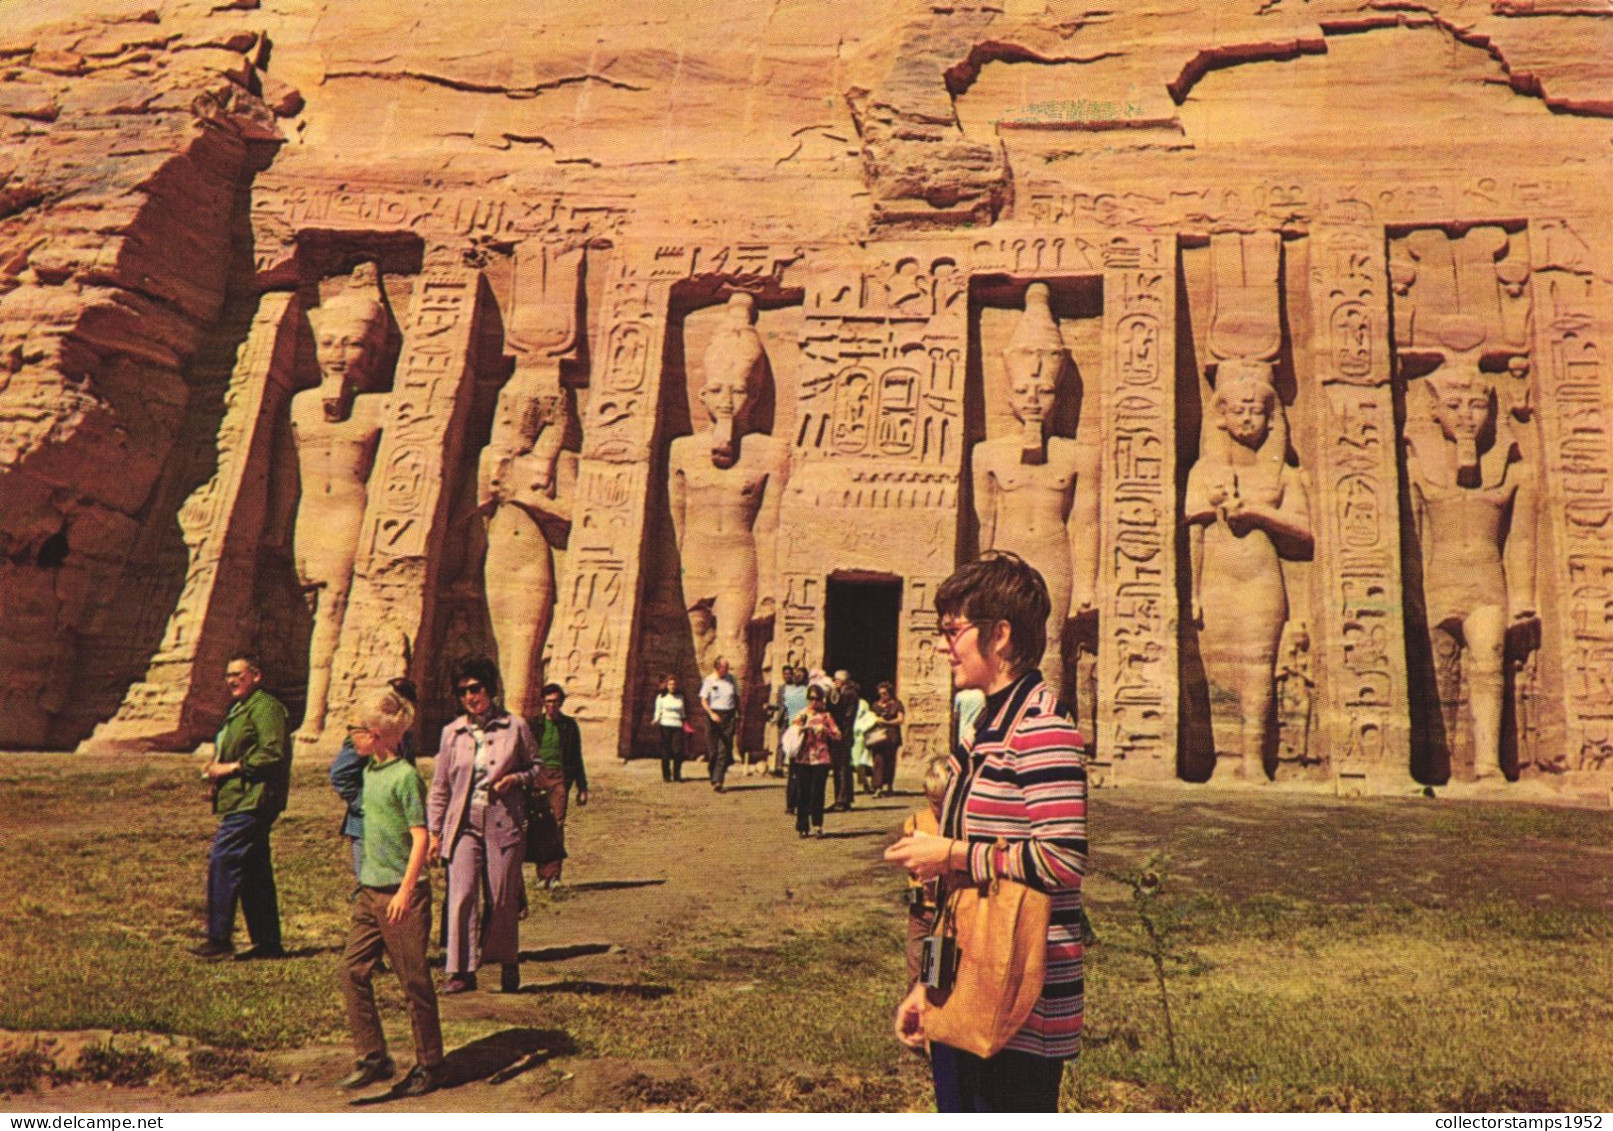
(1025,781)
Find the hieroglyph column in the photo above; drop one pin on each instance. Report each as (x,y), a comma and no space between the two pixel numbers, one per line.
(1364,719)
(1571,305)
(181,700)
(594,609)
(411,490)
(1137,662)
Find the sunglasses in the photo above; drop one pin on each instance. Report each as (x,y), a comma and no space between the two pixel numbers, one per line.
(470,689)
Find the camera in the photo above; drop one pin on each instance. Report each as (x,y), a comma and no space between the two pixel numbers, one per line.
(937,961)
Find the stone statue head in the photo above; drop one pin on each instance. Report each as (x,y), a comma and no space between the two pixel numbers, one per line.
(733,377)
(1035,359)
(1245,400)
(349,335)
(1463,406)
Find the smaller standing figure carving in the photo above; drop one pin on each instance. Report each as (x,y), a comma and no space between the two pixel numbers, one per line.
(525,485)
(336,429)
(1246,509)
(1295,694)
(1036,494)
(1473,500)
(725,486)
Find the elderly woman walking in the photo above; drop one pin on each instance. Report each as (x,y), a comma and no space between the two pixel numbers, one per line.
(476,815)
(1016,809)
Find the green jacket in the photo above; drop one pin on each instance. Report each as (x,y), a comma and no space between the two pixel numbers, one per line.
(254,735)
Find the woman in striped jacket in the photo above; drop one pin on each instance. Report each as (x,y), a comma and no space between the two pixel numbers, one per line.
(1024,782)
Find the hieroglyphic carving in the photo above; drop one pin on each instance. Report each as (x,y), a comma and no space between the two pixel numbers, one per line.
(281,209)
(180,700)
(879,377)
(878,447)
(1571,332)
(1137,663)
(412,490)
(1364,713)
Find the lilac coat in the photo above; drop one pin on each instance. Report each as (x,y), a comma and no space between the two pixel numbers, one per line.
(511,753)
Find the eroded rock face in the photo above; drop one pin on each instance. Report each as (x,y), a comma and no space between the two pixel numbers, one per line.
(1159,297)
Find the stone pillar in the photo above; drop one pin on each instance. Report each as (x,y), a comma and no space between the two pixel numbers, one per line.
(1571,316)
(594,623)
(1137,662)
(412,490)
(181,700)
(1364,722)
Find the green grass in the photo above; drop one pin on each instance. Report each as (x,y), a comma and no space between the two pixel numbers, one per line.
(1350,956)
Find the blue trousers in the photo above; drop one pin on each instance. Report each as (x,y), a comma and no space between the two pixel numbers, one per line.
(239,870)
(1010,1081)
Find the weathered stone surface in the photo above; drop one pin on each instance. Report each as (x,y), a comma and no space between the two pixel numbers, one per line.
(1346,197)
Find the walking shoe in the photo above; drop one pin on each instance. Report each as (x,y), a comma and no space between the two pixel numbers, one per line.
(458,984)
(368,1071)
(260,952)
(422,1078)
(510,978)
(212,950)
(818,832)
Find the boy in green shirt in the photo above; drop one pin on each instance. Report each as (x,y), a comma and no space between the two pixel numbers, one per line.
(392,908)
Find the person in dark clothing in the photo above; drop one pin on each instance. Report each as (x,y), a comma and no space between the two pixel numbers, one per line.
(843,706)
(560,757)
(250,776)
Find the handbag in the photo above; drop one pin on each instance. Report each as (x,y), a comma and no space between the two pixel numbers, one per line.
(998,938)
(543,842)
(878,735)
(790,742)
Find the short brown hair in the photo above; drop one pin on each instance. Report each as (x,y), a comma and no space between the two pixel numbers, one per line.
(1001,587)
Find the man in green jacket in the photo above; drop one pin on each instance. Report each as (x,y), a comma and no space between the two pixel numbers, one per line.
(251,773)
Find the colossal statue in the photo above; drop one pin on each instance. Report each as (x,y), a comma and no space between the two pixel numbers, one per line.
(725,485)
(1473,501)
(525,486)
(1036,494)
(336,429)
(1246,509)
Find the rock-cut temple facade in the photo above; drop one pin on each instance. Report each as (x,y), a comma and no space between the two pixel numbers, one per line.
(609,340)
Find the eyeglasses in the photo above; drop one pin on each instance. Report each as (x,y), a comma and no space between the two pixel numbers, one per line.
(470,689)
(951,632)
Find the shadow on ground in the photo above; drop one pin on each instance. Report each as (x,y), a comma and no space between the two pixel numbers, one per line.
(495,1058)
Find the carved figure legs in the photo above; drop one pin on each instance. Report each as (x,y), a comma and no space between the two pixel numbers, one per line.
(330,608)
(719,618)
(519,578)
(1474,647)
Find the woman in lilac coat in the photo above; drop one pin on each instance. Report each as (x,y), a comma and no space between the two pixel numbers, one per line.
(476,817)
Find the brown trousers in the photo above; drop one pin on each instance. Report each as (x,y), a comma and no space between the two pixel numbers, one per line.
(553,783)
(404,943)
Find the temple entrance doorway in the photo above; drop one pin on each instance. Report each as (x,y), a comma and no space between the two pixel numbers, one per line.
(862,614)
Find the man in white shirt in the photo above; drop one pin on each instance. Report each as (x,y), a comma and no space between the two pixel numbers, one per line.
(719,695)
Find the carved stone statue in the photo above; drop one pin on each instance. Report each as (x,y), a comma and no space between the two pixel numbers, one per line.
(525,485)
(336,429)
(1037,494)
(1246,509)
(725,485)
(1473,499)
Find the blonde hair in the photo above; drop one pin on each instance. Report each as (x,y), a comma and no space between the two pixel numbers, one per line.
(937,777)
(389,715)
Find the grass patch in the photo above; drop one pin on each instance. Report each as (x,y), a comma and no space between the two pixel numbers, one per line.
(1345,956)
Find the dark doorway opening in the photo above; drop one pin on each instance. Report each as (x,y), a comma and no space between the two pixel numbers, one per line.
(860,635)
